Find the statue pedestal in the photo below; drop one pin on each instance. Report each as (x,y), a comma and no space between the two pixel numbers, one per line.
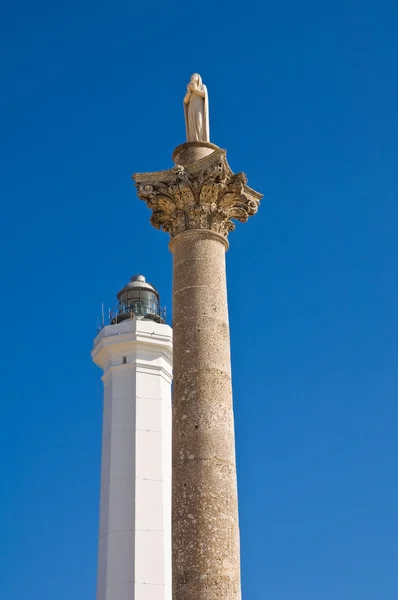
(191,152)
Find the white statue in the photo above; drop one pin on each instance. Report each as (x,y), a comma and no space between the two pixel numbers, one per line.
(196,110)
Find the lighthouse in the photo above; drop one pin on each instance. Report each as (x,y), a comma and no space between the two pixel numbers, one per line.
(135,354)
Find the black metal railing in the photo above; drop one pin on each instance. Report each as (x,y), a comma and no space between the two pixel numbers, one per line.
(140,308)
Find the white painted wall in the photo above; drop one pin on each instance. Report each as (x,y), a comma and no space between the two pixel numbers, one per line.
(134,558)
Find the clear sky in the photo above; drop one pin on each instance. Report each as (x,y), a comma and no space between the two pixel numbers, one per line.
(304,96)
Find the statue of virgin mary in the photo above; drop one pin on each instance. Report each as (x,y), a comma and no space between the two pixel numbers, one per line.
(196,110)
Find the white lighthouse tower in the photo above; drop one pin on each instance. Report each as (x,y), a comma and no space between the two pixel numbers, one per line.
(135,354)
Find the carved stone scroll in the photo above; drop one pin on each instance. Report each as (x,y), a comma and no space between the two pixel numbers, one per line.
(202,195)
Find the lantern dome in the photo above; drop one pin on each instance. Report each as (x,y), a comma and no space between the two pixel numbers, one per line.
(138,300)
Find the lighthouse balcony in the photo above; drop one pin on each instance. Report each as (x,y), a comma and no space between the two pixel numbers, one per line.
(141,309)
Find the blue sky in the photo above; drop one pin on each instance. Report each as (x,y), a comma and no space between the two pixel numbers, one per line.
(304,96)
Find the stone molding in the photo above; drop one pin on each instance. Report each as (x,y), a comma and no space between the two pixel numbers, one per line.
(201,234)
(133,336)
(203,195)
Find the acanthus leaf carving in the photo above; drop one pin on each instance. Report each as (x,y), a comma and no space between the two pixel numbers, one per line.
(204,195)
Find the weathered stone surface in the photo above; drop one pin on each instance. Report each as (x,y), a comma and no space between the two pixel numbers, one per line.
(205,508)
(189,153)
(202,195)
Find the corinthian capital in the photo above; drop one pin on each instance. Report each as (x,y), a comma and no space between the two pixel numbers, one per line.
(202,195)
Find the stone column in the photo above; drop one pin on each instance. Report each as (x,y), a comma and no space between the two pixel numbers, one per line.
(195,202)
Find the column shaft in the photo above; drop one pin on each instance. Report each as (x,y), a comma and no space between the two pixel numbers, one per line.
(205,510)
